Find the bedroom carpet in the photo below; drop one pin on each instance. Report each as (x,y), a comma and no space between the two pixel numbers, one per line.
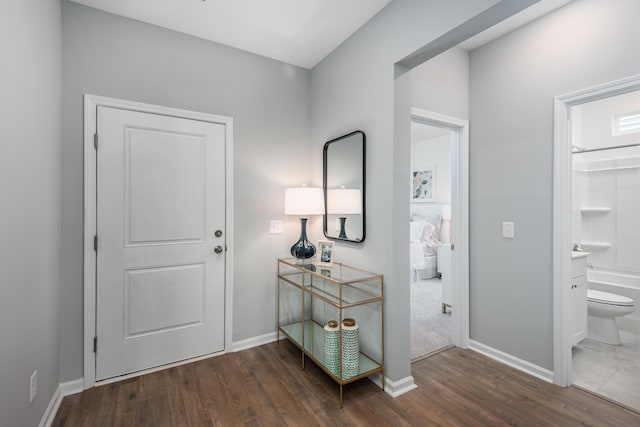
(430,328)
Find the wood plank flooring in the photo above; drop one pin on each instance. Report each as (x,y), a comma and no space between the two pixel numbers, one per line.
(265,386)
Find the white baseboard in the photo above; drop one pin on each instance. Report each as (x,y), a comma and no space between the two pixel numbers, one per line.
(254,341)
(64,389)
(514,362)
(52,409)
(394,388)
(72,387)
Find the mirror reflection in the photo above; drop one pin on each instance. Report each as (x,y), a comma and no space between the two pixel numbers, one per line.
(344,187)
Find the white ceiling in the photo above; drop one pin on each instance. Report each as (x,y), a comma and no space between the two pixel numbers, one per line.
(529,14)
(299,32)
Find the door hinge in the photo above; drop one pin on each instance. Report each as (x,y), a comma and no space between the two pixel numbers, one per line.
(453,246)
(95,344)
(95,243)
(95,140)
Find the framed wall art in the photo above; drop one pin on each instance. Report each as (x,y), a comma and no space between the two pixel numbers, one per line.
(423,185)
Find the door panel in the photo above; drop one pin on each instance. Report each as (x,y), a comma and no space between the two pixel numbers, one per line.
(164,180)
(161,196)
(159,299)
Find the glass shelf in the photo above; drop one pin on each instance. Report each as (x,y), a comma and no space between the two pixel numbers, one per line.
(314,336)
(595,245)
(595,210)
(338,272)
(339,285)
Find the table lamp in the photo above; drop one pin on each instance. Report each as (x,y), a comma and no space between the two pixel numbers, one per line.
(303,201)
(344,201)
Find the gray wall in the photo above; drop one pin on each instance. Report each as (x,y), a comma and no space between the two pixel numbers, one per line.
(117,57)
(30,84)
(512,84)
(353,88)
(441,84)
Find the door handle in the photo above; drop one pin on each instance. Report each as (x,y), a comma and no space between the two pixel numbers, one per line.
(218,249)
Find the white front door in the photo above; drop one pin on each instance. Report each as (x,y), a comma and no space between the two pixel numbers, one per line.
(160,216)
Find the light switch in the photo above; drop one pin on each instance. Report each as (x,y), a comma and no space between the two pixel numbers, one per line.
(508,230)
(275,226)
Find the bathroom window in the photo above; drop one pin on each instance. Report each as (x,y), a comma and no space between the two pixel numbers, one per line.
(625,123)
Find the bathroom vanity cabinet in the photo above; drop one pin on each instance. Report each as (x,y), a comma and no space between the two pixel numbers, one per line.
(578,297)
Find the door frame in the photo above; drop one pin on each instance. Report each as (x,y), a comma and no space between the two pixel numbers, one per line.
(459,219)
(91,103)
(562,215)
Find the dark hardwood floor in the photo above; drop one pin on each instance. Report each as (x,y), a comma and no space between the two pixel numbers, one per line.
(265,386)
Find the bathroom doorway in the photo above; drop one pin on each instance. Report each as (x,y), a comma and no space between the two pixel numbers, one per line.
(601,135)
(433,206)
(605,137)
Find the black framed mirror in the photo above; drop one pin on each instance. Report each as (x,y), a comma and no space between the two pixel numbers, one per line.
(344,187)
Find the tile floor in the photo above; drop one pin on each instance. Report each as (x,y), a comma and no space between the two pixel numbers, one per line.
(610,370)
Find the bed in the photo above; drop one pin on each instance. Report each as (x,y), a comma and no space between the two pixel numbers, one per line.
(423,249)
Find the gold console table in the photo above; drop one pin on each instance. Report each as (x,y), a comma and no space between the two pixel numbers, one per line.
(309,296)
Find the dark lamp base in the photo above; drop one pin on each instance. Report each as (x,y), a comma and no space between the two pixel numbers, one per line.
(303,249)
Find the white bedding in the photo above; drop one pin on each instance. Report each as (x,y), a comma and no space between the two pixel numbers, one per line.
(416,256)
(423,247)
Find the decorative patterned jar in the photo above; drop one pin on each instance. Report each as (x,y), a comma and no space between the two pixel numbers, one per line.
(350,349)
(332,347)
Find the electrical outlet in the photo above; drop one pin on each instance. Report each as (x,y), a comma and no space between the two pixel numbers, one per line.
(33,386)
(275,227)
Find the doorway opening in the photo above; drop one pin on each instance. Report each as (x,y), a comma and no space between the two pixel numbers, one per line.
(605,230)
(597,166)
(438,233)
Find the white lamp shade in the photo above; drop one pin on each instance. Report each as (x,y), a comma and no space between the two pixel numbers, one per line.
(344,201)
(303,201)
(446,212)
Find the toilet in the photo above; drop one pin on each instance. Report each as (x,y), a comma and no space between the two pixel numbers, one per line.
(602,310)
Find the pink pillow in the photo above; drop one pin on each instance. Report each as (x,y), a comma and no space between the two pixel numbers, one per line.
(429,234)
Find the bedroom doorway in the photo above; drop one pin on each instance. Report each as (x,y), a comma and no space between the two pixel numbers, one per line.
(433,204)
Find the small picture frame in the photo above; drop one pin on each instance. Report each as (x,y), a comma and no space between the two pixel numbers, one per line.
(325,253)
